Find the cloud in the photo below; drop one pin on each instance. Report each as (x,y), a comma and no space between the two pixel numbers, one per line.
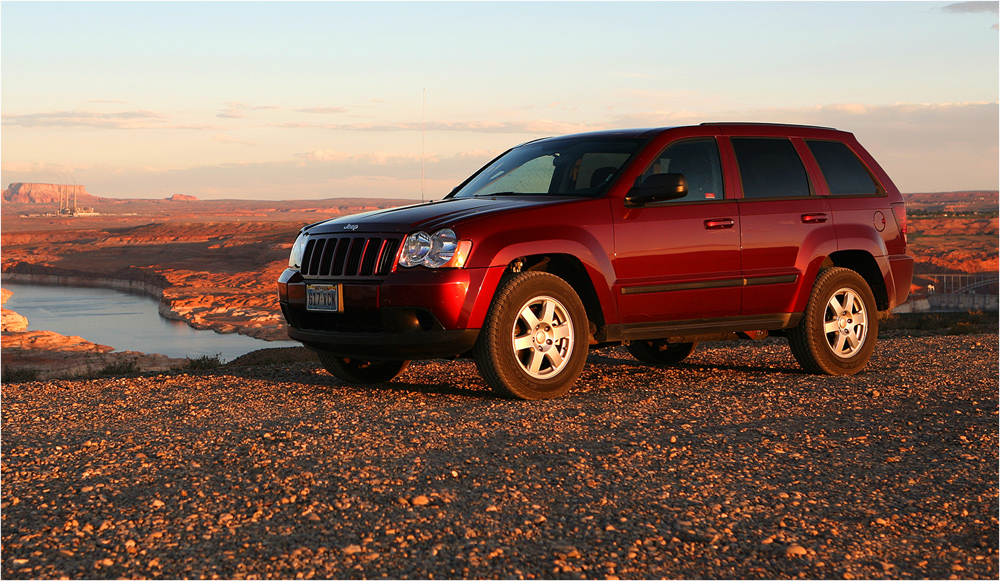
(633,75)
(972,7)
(318,173)
(912,114)
(322,110)
(136,119)
(484,154)
(532,127)
(261,180)
(975,8)
(229,139)
(853,108)
(371,159)
(237,109)
(42,167)
(924,147)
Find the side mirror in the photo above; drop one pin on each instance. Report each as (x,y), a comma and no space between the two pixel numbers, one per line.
(659,187)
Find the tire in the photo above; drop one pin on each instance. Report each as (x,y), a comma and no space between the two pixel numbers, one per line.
(359,371)
(659,352)
(534,341)
(839,329)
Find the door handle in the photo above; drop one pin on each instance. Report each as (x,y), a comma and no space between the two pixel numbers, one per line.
(813,218)
(719,223)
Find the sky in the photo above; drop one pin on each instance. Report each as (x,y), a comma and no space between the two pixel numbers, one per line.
(300,100)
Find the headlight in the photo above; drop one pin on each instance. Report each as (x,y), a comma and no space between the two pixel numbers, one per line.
(415,249)
(444,243)
(442,249)
(298,249)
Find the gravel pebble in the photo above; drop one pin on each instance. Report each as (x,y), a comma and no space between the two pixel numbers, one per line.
(734,464)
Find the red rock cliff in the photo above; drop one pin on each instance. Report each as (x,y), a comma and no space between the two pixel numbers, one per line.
(21,193)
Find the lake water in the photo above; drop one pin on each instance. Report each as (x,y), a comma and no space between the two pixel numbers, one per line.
(125,321)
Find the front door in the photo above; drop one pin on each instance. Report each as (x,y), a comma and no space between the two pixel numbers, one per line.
(679,260)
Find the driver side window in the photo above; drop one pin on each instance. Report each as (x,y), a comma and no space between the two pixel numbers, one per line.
(698,160)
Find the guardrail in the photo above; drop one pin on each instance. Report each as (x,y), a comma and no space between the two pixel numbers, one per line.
(959,284)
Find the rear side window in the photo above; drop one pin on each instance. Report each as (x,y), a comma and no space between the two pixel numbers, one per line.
(770,168)
(844,173)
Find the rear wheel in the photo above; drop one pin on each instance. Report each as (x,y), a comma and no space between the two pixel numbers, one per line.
(659,352)
(361,371)
(533,344)
(839,328)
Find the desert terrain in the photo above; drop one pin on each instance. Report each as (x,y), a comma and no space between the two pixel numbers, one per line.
(214,263)
(954,232)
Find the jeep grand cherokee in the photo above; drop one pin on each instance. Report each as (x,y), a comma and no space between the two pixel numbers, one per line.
(652,238)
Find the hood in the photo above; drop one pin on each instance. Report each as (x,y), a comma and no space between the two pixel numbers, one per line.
(431,216)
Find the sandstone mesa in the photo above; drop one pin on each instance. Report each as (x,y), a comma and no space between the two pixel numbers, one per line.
(25,193)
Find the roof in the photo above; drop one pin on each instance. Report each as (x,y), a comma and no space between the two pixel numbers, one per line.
(643,132)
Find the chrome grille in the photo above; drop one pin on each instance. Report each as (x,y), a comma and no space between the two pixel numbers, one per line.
(349,256)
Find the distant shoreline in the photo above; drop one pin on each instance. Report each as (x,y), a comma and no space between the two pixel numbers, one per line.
(135,285)
(106,282)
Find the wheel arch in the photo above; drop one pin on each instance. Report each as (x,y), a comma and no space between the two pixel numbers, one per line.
(571,269)
(865,265)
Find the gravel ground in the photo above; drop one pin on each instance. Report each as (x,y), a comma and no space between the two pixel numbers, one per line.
(733,465)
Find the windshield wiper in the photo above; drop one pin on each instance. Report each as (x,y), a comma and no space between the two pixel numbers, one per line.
(506,194)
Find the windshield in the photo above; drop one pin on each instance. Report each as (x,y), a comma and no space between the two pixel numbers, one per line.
(580,166)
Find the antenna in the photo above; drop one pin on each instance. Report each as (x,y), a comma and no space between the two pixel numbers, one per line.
(423,144)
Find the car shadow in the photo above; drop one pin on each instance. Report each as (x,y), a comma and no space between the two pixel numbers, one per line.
(608,359)
(314,375)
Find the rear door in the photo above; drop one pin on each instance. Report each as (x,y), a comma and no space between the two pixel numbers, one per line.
(786,226)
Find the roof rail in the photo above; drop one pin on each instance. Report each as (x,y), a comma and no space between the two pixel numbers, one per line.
(770,125)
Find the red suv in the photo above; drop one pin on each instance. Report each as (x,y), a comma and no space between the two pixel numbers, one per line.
(652,238)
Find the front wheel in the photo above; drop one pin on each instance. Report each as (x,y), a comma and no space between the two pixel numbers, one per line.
(360,371)
(839,328)
(533,344)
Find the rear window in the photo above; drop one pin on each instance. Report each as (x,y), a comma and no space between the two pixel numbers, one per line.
(770,168)
(844,173)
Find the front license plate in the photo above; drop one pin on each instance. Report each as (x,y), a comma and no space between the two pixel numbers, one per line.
(323,297)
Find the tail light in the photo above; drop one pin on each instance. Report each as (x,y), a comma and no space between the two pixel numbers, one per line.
(899,212)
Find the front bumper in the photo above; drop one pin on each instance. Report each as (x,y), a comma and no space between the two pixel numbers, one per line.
(411,314)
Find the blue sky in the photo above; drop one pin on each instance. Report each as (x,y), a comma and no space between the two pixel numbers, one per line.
(326,99)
